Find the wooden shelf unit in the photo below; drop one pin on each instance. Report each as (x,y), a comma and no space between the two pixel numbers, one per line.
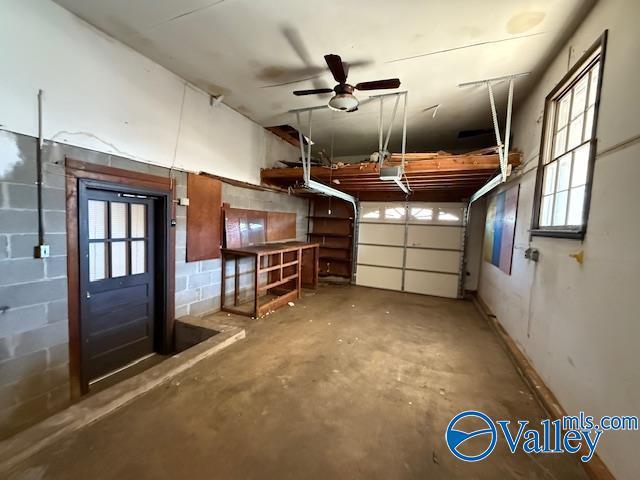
(280,270)
(331,225)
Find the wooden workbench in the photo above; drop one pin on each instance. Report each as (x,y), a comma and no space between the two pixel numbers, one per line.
(280,270)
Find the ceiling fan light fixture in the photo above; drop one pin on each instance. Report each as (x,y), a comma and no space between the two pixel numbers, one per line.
(343,102)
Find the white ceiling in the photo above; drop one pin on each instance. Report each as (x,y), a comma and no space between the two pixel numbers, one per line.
(242,48)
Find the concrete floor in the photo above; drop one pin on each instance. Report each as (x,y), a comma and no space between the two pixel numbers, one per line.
(350,383)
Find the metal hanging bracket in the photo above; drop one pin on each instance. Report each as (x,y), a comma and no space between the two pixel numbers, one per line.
(394,174)
(503,148)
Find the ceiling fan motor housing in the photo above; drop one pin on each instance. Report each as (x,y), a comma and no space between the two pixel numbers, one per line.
(343,100)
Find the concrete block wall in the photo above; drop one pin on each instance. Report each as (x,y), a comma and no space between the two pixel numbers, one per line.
(34,343)
(34,359)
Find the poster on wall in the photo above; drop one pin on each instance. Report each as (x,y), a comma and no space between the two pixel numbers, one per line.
(500,228)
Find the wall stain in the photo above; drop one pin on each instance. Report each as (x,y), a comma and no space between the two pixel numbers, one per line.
(524,22)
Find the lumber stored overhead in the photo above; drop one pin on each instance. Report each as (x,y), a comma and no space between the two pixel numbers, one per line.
(436,176)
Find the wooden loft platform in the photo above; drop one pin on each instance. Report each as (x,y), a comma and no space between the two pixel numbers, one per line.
(439,176)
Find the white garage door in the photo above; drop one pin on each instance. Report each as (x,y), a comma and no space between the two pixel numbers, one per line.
(411,247)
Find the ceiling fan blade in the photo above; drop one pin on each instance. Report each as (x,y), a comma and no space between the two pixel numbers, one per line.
(313,91)
(379,84)
(337,68)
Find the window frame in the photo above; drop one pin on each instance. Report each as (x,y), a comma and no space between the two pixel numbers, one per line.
(595,53)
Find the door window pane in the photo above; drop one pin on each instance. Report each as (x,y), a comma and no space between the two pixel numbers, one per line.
(138,220)
(394,213)
(118,259)
(118,220)
(560,208)
(138,260)
(97,261)
(419,213)
(576,204)
(97,219)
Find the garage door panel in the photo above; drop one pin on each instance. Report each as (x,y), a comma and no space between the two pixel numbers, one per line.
(428,283)
(433,260)
(379,277)
(381,234)
(431,236)
(375,255)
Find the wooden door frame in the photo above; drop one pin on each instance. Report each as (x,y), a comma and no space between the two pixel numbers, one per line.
(162,187)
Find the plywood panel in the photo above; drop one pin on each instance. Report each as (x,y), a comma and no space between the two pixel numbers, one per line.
(379,277)
(384,256)
(281,226)
(203,217)
(432,236)
(427,283)
(434,260)
(244,228)
(381,234)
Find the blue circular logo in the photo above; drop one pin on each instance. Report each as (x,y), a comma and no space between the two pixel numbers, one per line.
(456,438)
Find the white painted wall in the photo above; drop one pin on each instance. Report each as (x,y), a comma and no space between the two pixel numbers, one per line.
(580,324)
(100,94)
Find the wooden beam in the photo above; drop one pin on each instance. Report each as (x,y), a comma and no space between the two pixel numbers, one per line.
(452,163)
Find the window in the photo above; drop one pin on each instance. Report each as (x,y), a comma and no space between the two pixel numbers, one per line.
(568,149)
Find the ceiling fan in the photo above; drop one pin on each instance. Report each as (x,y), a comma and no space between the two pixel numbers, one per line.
(344,100)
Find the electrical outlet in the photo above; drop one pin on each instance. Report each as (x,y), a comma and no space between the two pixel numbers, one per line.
(184,201)
(41,251)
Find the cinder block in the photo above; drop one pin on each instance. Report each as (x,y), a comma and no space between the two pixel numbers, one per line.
(55,222)
(181,255)
(181,191)
(186,268)
(57,311)
(26,196)
(55,267)
(59,398)
(180,284)
(18,221)
(17,320)
(41,338)
(210,265)
(6,349)
(56,152)
(185,297)
(181,238)
(4,247)
(58,355)
(13,369)
(209,291)
(14,419)
(22,158)
(34,292)
(128,164)
(181,216)
(208,305)
(53,176)
(182,310)
(20,271)
(21,246)
(199,280)
(38,384)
